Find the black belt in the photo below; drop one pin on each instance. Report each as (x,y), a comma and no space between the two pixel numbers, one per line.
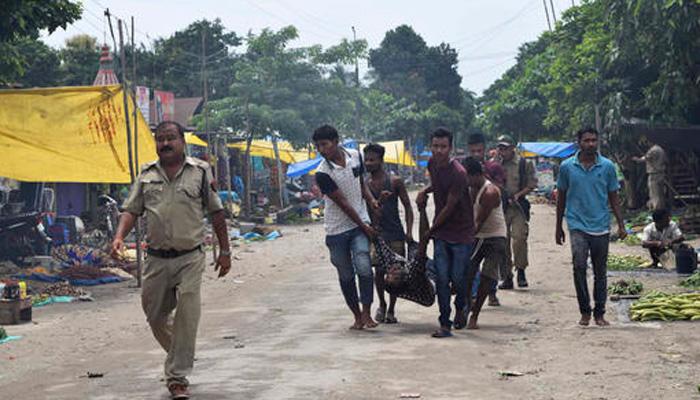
(169,253)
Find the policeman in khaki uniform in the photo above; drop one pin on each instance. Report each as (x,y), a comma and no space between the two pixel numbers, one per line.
(174,193)
(520,180)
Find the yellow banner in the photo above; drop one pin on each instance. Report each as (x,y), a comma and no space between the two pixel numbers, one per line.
(69,134)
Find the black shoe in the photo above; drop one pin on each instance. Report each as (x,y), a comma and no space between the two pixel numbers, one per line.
(507,284)
(522,281)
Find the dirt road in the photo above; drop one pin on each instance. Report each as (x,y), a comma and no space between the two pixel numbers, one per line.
(278,330)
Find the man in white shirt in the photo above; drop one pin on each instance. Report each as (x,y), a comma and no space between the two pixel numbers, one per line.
(661,235)
(346,221)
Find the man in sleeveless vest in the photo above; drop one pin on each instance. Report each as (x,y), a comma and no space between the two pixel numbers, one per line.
(490,235)
(388,190)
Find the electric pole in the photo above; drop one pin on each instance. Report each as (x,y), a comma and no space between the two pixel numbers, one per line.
(546,12)
(554,13)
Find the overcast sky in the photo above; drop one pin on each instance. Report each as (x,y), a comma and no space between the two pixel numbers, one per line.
(486,33)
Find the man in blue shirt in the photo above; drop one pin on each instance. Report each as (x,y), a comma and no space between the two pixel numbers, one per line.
(587,183)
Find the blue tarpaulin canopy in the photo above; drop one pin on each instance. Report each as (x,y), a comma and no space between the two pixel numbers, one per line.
(549,149)
(303,167)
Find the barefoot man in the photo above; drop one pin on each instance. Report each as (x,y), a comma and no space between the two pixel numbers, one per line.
(587,184)
(388,189)
(339,176)
(174,193)
(490,234)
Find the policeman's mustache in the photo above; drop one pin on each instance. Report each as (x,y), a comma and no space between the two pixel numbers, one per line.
(166,148)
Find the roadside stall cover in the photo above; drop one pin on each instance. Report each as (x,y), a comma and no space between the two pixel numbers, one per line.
(264,148)
(548,149)
(69,134)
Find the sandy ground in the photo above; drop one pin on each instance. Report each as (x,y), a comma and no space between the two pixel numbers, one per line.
(277,329)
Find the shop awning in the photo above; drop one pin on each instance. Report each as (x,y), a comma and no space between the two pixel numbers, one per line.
(69,134)
(547,149)
(191,138)
(264,148)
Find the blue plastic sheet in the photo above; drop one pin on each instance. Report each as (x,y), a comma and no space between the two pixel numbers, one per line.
(9,339)
(550,149)
(75,282)
(303,167)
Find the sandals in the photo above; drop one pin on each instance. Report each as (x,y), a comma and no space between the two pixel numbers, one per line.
(442,333)
(380,315)
(178,391)
(460,319)
(390,318)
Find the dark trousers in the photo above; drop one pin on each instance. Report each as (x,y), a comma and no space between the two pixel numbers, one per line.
(583,245)
(656,253)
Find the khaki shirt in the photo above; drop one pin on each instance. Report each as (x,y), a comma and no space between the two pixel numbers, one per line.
(656,160)
(174,209)
(512,169)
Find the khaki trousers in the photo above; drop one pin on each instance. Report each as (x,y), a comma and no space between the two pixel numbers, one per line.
(517,230)
(170,283)
(657,192)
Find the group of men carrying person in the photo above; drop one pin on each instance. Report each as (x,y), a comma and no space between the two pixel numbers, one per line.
(479,216)
(481,213)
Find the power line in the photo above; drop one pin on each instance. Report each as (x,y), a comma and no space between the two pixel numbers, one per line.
(480,35)
(284,21)
(313,19)
(480,43)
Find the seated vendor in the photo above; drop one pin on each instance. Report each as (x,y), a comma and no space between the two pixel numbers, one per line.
(661,235)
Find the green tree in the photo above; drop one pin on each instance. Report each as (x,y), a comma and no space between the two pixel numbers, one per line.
(176,62)
(23,19)
(44,70)
(79,61)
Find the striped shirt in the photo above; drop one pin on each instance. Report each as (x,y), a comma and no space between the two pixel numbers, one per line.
(331,177)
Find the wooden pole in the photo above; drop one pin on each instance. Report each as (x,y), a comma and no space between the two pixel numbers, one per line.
(280,179)
(137,232)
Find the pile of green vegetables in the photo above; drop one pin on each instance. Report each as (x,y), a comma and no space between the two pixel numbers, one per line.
(623,287)
(693,281)
(666,307)
(625,262)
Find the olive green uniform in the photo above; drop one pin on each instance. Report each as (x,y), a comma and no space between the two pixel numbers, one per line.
(518,227)
(175,212)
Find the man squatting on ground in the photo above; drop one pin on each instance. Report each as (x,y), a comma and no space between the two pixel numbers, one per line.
(346,221)
(452,230)
(661,235)
(587,183)
(388,190)
(490,234)
(493,171)
(174,193)
(520,180)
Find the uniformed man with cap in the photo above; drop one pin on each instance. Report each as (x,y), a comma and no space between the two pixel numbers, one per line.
(520,180)
(174,193)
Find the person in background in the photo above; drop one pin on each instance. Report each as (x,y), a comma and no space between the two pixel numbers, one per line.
(587,185)
(388,190)
(452,230)
(655,159)
(520,180)
(490,234)
(346,221)
(661,236)
(493,171)
(175,193)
